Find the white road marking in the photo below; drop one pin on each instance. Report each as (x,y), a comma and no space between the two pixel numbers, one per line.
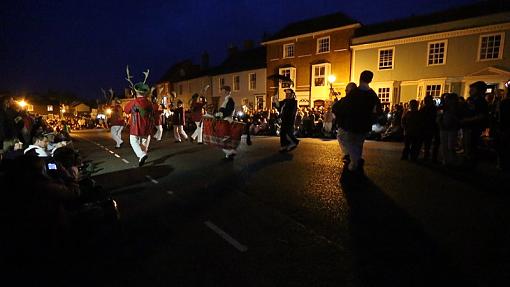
(125,161)
(117,156)
(170,192)
(152,179)
(226,237)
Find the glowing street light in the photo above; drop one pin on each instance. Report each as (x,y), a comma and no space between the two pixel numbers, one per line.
(22,104)
(109,111)
(331,79)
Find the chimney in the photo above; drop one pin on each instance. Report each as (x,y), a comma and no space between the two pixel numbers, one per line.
(232,50)
(248,44)
(205,61)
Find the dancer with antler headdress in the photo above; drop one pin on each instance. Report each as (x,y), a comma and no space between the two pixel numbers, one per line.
(142,117)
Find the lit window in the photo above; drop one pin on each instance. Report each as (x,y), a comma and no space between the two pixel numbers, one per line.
(291,74)
(236,83)
(222,83)
(30,108)
(386,59)
(491,47)
(384,95)
(288,50)
(50,108)
(319,75)
(253,81)
(437,53)
(433,90)
(323,45)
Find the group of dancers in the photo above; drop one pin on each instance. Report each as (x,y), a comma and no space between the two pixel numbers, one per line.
(353,116)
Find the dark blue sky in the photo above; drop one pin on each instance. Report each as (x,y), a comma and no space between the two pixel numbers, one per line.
(81,46)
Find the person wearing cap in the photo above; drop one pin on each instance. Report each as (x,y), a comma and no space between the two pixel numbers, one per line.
(178,121)
(476,121)
(226,112)
(141,121)
(288,110)
(117,123)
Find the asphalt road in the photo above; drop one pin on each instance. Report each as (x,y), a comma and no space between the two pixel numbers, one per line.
(269,219)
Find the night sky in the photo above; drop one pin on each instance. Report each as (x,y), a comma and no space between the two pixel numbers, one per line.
(82,46)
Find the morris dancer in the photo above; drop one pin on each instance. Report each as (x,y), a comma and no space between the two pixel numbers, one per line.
(288,110)
(197,112)
(179,121)
(158,121)
(142,118)
(226,112)
(117,123)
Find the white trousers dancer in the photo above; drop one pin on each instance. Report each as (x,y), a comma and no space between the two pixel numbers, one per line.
(197,135)
(178,132)
(159,132)
(116,132)
(229,152)
(136,144)
(352,143)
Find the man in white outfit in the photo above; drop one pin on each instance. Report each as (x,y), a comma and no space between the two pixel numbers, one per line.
(117,123)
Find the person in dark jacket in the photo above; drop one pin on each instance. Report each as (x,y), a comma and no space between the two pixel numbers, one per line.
(430,129)
(503,131)
(448,120)
(358,111)
(337,111)
(178,121)
(288,110)
(412,124)
(475,121)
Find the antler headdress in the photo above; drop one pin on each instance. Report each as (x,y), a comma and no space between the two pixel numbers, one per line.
(140,87)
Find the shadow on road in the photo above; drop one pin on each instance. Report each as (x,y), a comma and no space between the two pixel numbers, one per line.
(391,247)
(162,159)
(128,177)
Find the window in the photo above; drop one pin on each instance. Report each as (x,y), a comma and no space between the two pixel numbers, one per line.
(253,81)
(319,75)
(259,101)
(491,47)
(50,108)
(323,45)
(433,90)
(384,95)
(236,83)
(386,59)
(180,90)
(437,53)
(30,108)
(222,83)
(291,74)
(288,50)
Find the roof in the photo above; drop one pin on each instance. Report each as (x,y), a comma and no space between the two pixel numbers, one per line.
(312,25)
(482,8)
(180,71)
(244,60)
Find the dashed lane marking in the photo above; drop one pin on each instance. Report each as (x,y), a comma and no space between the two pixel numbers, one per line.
(226,237)
(152,179)
(117,156)
(170,192)
(124,160)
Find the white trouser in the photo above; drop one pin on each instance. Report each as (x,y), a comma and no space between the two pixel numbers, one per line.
(178,132)
(159,132)
(136,144)
(116,132)
(198,132)
(229,152)
(352,143)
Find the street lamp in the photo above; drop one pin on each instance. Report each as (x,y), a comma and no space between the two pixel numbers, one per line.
(22,104)
(331,80)
(108,111)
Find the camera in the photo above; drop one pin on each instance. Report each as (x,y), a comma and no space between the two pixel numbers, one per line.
(52,166)
(507,84)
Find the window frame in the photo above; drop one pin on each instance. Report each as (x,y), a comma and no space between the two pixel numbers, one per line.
(292,76)
(234,88)
(318,45)
(501,46)
(389,90)
(285,55)
(425,89)
(221,83)
(445,55)
(327,72)
(250,88)
(392,58)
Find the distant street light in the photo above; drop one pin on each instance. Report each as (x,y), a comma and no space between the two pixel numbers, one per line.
(22,104)
(109,111)
(331,80)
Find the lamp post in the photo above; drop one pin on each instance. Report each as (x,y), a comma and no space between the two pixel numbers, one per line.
(22,104)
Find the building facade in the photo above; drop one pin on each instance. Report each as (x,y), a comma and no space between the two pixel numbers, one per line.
(446,55)
(308,53)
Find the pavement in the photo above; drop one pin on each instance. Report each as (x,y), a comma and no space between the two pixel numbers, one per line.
(190,218)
